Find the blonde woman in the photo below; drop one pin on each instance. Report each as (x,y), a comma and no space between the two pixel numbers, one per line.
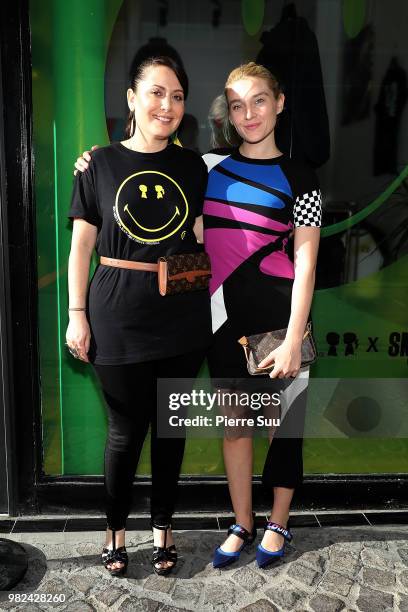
(256,199)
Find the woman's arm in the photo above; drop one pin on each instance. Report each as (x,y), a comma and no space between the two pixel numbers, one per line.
(287,356)
(306,245)
(82,245)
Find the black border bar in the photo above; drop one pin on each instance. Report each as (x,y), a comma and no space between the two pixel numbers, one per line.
(20,251)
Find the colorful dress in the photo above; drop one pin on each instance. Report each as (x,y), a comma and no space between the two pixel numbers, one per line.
(251,208)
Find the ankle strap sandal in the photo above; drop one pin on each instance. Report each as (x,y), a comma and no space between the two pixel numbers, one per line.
(163,553)
(112,555)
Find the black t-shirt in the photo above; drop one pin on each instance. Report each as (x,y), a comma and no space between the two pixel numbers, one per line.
(144,206)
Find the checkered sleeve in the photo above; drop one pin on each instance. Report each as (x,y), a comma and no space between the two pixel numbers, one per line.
(307,209)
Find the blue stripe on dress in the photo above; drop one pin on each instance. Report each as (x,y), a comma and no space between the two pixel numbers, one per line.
(269,175)
(227,188)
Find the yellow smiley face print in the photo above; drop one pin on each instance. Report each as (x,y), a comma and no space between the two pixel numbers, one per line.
(150,206)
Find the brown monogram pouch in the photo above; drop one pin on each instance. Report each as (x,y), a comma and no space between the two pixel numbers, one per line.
(184,272)
(258,346)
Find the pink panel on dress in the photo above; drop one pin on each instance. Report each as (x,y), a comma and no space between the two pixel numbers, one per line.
(227,211)
(277,264)
(229,248)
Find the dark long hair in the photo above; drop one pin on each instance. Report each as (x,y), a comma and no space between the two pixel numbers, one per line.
(138,73)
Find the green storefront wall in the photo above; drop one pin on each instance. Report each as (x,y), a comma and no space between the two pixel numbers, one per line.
(69,47)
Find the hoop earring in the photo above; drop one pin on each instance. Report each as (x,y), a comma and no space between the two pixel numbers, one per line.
(132,126)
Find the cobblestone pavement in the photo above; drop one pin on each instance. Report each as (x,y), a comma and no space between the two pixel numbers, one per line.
(325,570)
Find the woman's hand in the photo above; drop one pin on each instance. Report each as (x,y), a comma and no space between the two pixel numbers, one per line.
(78,334)
(82,162)
(286,359)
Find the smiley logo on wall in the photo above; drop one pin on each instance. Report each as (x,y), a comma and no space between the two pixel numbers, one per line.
(150,207)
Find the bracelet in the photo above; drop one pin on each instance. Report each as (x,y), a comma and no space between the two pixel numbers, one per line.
(76,309)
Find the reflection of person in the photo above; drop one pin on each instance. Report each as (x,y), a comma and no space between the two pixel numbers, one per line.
(256,198)
(222,132)
(139,199)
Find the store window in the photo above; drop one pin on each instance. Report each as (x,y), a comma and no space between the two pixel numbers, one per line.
(354,69)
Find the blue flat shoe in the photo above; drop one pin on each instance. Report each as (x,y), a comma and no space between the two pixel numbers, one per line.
(223,558)
(263,556)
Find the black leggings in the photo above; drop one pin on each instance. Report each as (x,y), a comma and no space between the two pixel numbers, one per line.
(130,394)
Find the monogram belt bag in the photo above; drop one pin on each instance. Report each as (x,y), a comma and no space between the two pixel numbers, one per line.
(176,273)
(184,272)
(258,346)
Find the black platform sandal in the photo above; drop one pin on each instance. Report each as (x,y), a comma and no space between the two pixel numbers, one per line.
(110,555)
(163,553)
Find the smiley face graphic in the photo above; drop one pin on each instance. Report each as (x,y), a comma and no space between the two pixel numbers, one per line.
(150,207)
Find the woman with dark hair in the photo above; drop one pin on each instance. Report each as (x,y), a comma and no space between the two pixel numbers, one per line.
(140,199)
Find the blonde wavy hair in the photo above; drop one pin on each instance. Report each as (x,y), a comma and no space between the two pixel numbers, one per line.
(251,69)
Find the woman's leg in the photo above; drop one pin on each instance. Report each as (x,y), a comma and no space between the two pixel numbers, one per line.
(127,389)
(228,373)
(283,469)
(167,453)
(282,496)
(282,452)
(238,461)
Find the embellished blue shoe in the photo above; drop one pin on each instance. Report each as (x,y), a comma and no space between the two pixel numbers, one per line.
(265,557)
(223,558)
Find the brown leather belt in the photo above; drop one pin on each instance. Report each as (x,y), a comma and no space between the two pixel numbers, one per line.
(130,265)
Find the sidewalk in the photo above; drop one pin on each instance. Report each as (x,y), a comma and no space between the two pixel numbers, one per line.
(327,569)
